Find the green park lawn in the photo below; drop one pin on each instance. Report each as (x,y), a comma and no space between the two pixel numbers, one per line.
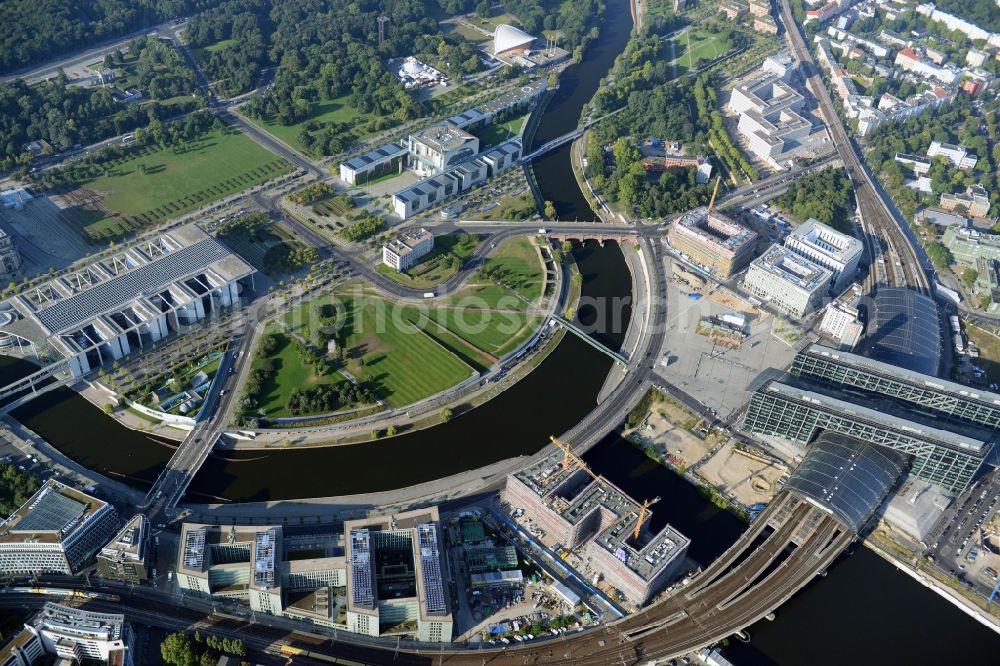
(492,135)
(290,374)
(384,349)
(697,45)
(520,267)
(158,183)
(337,110)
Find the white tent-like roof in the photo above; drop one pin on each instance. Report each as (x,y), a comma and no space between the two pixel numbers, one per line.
(508,37)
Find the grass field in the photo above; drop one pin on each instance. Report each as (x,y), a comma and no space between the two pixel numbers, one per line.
(697,45)
(402,363)
(492,135)
(157,183)
(337,110)
(290,374)
(520,267)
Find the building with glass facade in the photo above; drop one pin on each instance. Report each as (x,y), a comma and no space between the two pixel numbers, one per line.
(948,429)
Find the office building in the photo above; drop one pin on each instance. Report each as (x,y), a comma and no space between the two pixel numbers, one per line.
(919,165)
(975,201)
(282,575)
(126,556)
(439,147)
(111,307)
(765,25)
(948,430)
(968,245)
(58,530)
(376,163)
(597,520)
(24,649)
(394,576)
(434,190)
(81,636)
(842,323)
(407,250)
(823,245)
(760,7)
(788,282)
(957,155)
(10,260)
(713,241)
(768,110)
(780,64)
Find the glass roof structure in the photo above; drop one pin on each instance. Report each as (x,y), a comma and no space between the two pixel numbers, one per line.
(847,476)
(905,331)
(52,512)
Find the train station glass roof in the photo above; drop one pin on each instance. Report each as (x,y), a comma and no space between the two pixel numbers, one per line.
(849,477)
(905,331)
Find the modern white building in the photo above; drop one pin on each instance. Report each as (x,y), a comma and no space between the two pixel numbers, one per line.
(508,39)
(957,155)
(58,530)
(24,649)
(435,189)
(439,147)
(839,253)
(79,636)
(840,322)
(375,163)
(105,310)
(791,283)
(407,250)
(768,108)
(410,595)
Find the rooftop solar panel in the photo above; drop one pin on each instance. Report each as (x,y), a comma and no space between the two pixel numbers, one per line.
(430,566)
(64,315)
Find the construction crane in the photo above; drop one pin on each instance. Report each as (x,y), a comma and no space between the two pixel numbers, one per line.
(714,192)
(643,510)
(571,461)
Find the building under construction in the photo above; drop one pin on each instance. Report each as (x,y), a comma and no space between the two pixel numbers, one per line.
(590,515)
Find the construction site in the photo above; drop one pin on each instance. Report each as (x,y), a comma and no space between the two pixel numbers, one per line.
(606,533)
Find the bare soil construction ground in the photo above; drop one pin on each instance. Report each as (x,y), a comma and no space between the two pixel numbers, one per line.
(749,480)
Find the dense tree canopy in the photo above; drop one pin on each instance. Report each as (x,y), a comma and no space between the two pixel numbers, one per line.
(822,195)
(37,30)
(16,488)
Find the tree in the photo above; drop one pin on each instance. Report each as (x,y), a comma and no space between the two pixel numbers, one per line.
(549,211)
(483,9)
(390,431)
(566,246)
(969,277)
(447,414)
(179,649)
(108,408)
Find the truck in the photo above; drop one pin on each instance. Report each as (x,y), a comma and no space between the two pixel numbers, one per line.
(542,231)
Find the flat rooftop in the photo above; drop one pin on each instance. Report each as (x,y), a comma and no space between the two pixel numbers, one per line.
(376,156)
(792,268)
(830,399)
(51,515)
(443,138)
(827,241)
(129,543)
(409,241)
(79,623)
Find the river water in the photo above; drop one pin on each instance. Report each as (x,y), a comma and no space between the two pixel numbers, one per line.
(864,612)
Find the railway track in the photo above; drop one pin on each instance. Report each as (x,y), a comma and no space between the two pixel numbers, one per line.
(877,218)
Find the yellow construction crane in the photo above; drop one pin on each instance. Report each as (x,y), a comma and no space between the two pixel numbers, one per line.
(570,459)
(643,510)
(714,192)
